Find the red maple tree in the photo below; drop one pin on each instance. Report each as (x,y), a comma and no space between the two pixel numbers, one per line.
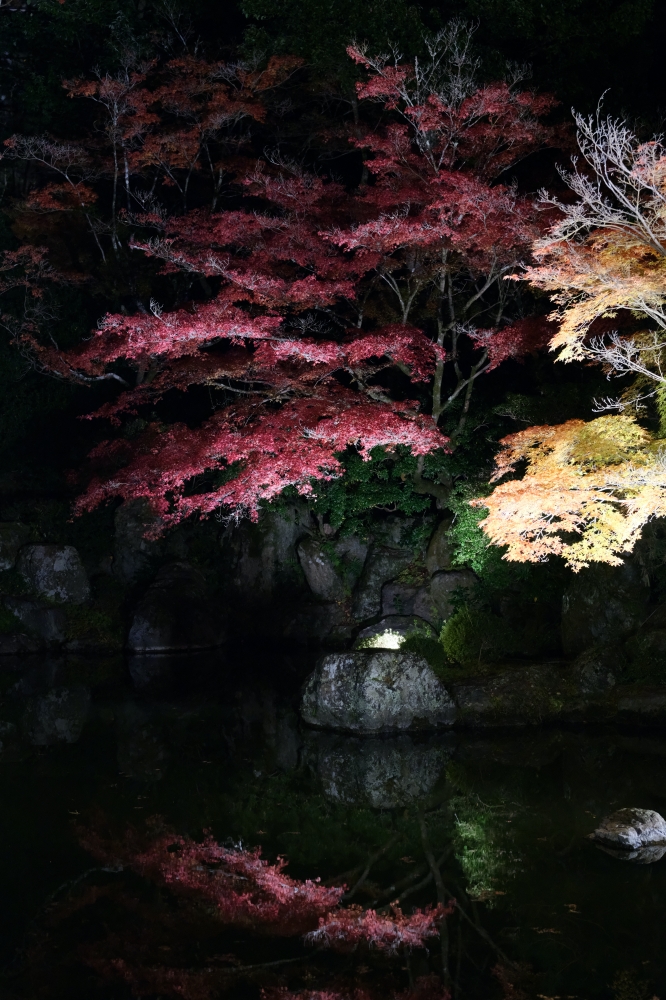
(312,290)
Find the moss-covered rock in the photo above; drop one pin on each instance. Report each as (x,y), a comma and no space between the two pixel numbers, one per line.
(375,691)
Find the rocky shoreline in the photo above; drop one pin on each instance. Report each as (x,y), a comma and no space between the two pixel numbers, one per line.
(373,692)
(287,583)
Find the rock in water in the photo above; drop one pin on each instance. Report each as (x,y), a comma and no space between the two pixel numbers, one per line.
(631,829)
(376,691)
(54,571)
(643,856)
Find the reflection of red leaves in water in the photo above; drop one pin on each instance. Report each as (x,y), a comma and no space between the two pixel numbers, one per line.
(178,944)
(247,891)
(243,889)
(344,929)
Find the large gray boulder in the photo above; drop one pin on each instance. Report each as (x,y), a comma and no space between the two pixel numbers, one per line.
(440,550)
(44,621)
(603,605)
(375,691)
(262,557)
(631,829)
(176,614)
(320,572)
(431,601)
(55,572)
(387,773)
(598,669)
(12,536)
(136,545)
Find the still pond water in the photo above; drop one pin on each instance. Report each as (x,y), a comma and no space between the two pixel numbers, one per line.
(211,744)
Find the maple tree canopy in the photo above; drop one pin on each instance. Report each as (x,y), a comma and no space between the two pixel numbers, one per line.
(311,290)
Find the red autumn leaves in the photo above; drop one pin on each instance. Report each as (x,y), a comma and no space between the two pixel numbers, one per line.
(313,290)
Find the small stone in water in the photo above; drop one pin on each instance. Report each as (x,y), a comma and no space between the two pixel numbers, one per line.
(631,829)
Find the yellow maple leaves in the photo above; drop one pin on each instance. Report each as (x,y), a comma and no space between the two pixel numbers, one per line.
(589,488)
(587,491)
(606,251)
(596,278)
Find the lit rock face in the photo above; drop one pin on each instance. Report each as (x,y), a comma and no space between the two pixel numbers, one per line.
(319,570)
(134,546)
(332,569)
(54,571)
(631,829)
(375,691)
(45,622)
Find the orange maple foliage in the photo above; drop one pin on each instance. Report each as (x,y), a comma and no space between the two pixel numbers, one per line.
(605,258)
(588,490)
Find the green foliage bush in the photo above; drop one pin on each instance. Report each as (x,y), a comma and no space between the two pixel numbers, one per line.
(430,649)
(382,484)
(474,635)
(471,636)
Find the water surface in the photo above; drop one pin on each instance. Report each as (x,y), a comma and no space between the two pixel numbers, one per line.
(215,744)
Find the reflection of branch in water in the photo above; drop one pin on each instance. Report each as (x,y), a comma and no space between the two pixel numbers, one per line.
(370,862)
(442,897)
(481,931)
(343,878)
(389,893)
(397,900)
